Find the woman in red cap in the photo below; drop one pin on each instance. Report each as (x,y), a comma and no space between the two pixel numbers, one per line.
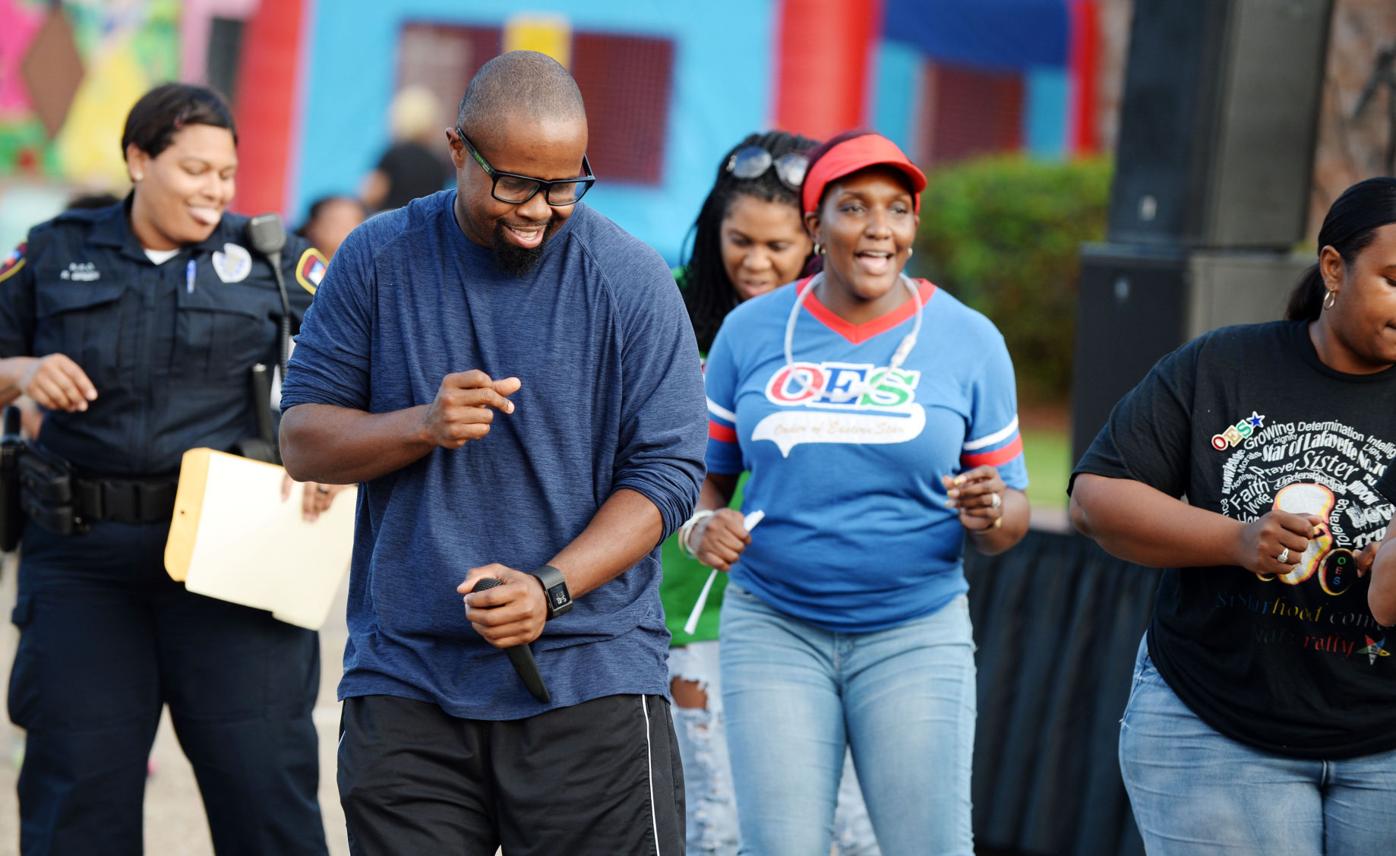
(748,239)
(877,418)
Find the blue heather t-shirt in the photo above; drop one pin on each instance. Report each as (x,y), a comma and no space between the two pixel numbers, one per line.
(857,536)
(611,398)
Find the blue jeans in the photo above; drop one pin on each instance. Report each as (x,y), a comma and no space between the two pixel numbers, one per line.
(1195,791)
(707,774)
(796,696)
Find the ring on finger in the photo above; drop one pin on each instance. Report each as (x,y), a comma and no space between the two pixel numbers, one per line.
(995,500)
(1283,558)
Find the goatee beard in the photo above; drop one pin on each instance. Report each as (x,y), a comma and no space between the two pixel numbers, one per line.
(513,259)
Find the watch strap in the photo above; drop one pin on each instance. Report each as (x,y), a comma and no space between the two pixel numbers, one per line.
(555,590)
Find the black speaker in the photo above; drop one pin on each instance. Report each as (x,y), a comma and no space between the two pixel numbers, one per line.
(1218,122)
(224,55)
(1136,305)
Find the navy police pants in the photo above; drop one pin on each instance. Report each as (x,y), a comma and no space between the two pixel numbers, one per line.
(106,640)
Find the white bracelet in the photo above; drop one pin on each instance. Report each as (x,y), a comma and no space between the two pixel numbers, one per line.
(688,526)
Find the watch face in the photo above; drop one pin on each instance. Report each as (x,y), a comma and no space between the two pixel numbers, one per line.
(558,596)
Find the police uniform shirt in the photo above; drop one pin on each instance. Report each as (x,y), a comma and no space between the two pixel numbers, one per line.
(169,347)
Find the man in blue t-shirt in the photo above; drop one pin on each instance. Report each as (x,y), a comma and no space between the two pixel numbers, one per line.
(514,381)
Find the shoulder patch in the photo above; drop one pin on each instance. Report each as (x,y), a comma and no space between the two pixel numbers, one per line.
(13,262)
(310,270)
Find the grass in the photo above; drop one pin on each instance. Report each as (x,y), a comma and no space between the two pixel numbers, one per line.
(1048,452)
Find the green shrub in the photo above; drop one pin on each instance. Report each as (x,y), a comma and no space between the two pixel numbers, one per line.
(1004,235)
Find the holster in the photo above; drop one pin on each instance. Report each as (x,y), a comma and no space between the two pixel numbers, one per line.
(11,449)
(263,447)
(46,491)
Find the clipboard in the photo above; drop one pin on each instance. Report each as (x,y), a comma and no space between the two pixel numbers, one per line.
(233,538)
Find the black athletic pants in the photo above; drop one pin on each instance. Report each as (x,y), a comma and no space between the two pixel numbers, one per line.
(601,777)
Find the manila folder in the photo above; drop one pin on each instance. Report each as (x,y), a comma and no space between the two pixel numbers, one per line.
(233,538)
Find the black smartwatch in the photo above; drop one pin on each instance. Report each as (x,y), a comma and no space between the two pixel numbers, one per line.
(554,590)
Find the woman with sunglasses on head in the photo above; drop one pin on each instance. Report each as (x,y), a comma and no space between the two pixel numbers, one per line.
(876,417)
(748,240)
(1249,463)
(136,327)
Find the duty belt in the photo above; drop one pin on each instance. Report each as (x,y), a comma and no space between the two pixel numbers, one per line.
(65,503)
(124,501)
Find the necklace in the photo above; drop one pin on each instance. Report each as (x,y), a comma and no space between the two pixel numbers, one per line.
(898,356)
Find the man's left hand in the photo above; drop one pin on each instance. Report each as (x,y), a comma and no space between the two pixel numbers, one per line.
(977,495)
(512,613)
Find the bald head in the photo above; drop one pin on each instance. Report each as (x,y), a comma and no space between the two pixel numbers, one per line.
(520,85)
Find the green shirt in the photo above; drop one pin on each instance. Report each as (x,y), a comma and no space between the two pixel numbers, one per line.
(684,576)
(682,582)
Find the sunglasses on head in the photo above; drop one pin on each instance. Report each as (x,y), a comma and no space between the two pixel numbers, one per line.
(752,161)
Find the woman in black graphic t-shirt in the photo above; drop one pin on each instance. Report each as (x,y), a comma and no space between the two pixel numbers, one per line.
(1263,713)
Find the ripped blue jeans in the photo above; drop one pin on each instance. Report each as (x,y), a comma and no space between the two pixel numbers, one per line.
(711,812)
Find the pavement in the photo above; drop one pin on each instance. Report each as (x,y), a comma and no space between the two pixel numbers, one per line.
(174,812)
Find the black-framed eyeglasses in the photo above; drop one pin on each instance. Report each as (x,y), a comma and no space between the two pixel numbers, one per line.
(515,189)
(752,161)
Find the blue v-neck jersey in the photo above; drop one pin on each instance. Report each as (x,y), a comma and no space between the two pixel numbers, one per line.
(846,454)
(611,398)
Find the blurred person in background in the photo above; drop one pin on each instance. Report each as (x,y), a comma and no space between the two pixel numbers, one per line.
(1248,463)
(411,167)
(329,221)
(877,418)
(748,240)
(135,327)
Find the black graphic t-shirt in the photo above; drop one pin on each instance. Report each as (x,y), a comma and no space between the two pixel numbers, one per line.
(1241,421)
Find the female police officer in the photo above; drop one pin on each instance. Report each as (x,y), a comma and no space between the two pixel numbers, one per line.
(136,326)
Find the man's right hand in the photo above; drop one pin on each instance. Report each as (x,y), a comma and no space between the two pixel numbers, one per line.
(1277,535)
(56,382)
(464,407)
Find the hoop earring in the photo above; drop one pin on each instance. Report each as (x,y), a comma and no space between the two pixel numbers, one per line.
(910,251)
(818,248)
(1330,299)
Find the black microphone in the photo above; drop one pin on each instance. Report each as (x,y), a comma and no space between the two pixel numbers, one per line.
(267,236)
(521,655)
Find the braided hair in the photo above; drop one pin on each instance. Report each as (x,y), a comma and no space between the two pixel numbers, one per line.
(707,292)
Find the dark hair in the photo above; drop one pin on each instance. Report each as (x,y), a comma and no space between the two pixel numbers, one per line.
(1350,225)
(84,201)
(319,205)
(707,292)
(164,110)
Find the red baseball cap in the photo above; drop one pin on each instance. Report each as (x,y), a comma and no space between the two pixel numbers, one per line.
(855,154)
